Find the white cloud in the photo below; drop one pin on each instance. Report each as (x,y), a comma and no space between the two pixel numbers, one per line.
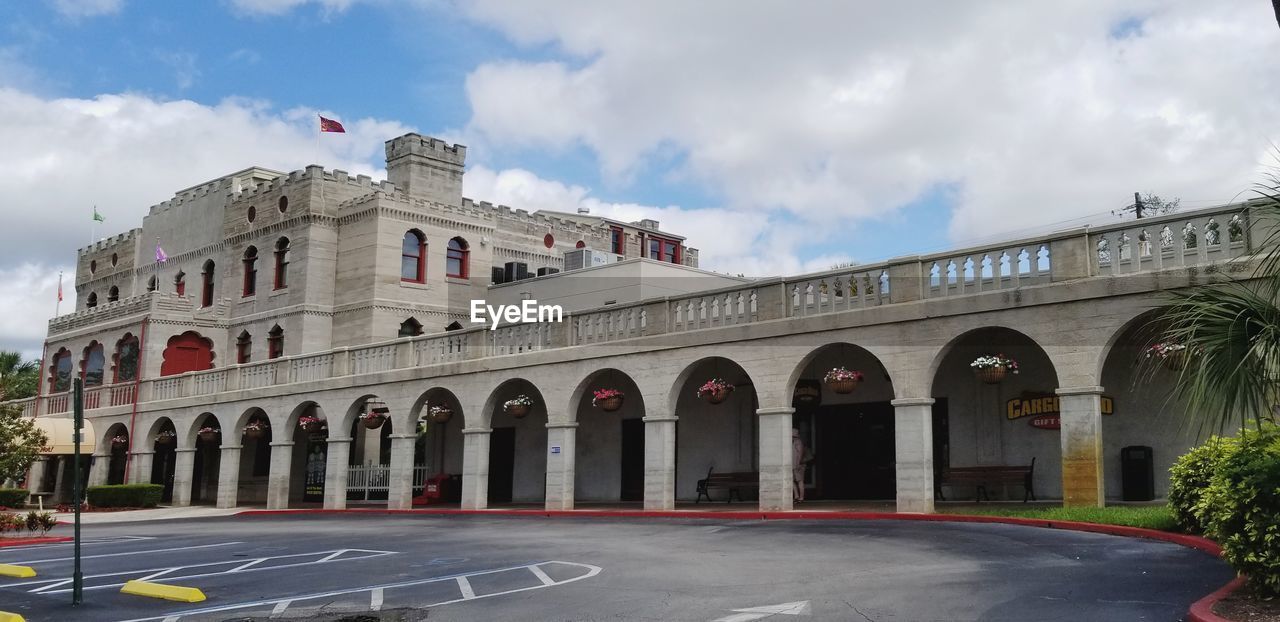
(280,7)
(87,8)
(845,110)
(31,295)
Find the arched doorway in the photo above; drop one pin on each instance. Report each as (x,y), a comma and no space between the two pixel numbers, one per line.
(1008,423)
(1141,409)
(206,437)
(437,447)
(842,396)
(609,445)
(163,438)
(308,428)
(719,437)
(254,430)
(186,352)
(518,444)
(369,460)
(116,439)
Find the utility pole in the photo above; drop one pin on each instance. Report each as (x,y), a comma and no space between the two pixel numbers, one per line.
(77,579)
(1137,200)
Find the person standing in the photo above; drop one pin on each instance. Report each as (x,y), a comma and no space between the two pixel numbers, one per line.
(800,459)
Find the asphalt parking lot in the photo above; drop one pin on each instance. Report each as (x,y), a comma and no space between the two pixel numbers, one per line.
(512,568)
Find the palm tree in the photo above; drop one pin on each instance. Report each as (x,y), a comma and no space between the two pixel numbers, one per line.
(17,377)
(1231,332)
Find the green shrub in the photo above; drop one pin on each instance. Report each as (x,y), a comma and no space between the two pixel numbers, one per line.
(12,497)
(1188,479)
(1242,504)
(125,495)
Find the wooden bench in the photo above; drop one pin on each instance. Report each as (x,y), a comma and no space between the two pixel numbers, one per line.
(983,477)
(732,482)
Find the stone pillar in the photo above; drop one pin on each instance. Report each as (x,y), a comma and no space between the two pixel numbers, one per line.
(228,476)
(279,475)
(1082,483)
(335,473)
(400,483)
(475,468)
(913,452)
(184,466)
(561,464)
(140,467)
(660,463)
(60,492)
(99,469)
(775,458)
(35,478)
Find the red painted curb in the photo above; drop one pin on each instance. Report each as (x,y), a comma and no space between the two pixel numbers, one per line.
(24,541)
(1202,610)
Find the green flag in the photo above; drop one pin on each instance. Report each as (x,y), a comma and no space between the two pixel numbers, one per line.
(96,216)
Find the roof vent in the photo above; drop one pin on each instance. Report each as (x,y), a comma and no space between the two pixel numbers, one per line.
(582,209)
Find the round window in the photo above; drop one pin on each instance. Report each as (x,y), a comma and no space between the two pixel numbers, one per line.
(253,212)
(284,204)
(580,244)
(548,240)
(114,259)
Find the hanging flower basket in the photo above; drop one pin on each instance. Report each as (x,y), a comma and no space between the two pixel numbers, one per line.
(255,429)
(373,420)
(310,424)
(166,437)
(518,406)
(1172,354)
(841,380)
(119,441)
(608,400)
(208,434)
(993,369)
(715,390)
(440,414)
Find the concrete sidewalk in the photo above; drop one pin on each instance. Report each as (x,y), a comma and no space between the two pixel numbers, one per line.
(161,513)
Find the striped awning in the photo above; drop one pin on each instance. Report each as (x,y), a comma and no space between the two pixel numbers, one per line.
(58,431)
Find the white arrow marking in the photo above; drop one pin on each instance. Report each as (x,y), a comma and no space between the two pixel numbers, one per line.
(798,608)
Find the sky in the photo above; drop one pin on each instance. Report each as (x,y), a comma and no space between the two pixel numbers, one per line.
(780,138)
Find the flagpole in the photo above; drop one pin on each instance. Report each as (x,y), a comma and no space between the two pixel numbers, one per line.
(58,306)
(317,161)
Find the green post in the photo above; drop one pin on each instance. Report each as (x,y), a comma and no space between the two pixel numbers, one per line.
(77,579)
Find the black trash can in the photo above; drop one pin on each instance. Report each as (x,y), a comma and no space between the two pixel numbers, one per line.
(1138,473)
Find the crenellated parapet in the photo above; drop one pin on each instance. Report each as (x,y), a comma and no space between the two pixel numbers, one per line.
(108,259)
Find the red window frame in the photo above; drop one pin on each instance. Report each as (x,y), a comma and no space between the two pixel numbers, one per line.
(420,258)
(617,241)
(275,343)
(250,286)
(244,348)
(281,279)
(461,254)
(180,284)
(664,245)
(206,285)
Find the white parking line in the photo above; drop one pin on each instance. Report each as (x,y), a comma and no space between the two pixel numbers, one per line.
(83,542)
(375,599)
(279,608)
(542,576)
(464,586)
(146,552)
(591,571)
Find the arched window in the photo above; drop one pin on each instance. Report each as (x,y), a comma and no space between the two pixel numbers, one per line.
(456,258)
(60,371)
(180,283)
(453,326)
(113,294)
(206,284)
(282,264)
(275,342)
(92,364)
(126,359)
(250,271)
(413,257)
(244,347)
(91,301)
(410,328)
(151,283)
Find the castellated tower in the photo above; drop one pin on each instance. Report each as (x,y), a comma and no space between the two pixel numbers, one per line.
(426,168)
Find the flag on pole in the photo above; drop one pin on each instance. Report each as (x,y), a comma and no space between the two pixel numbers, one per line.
(96,216)
(59,286)
(329,125)
(160,256)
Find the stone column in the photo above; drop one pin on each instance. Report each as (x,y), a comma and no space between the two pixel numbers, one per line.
(99,469)
(278,475)
(1082,483)
(400,483)
(913,452)
(35,478)
(561,464)
(775,458)
(60,492)
(228,476)
(335,473)
(140,467)
(660,463)
(184,466)
(475,468)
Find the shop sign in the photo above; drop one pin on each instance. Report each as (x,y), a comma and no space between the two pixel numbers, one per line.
(1045,410)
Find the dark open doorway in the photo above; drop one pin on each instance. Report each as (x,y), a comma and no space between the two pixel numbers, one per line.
(502,464)
(632,460)
(853,450)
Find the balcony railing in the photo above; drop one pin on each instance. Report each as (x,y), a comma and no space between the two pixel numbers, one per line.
(1178,240)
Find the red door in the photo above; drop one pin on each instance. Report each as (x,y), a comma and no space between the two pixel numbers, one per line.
(187,352)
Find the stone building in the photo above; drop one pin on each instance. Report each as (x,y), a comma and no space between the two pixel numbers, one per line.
(296,310)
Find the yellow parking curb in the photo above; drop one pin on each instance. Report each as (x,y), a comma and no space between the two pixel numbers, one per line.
(17,572)
(160,590)
(5,616)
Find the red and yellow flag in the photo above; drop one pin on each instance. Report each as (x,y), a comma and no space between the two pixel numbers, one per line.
(329,125)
